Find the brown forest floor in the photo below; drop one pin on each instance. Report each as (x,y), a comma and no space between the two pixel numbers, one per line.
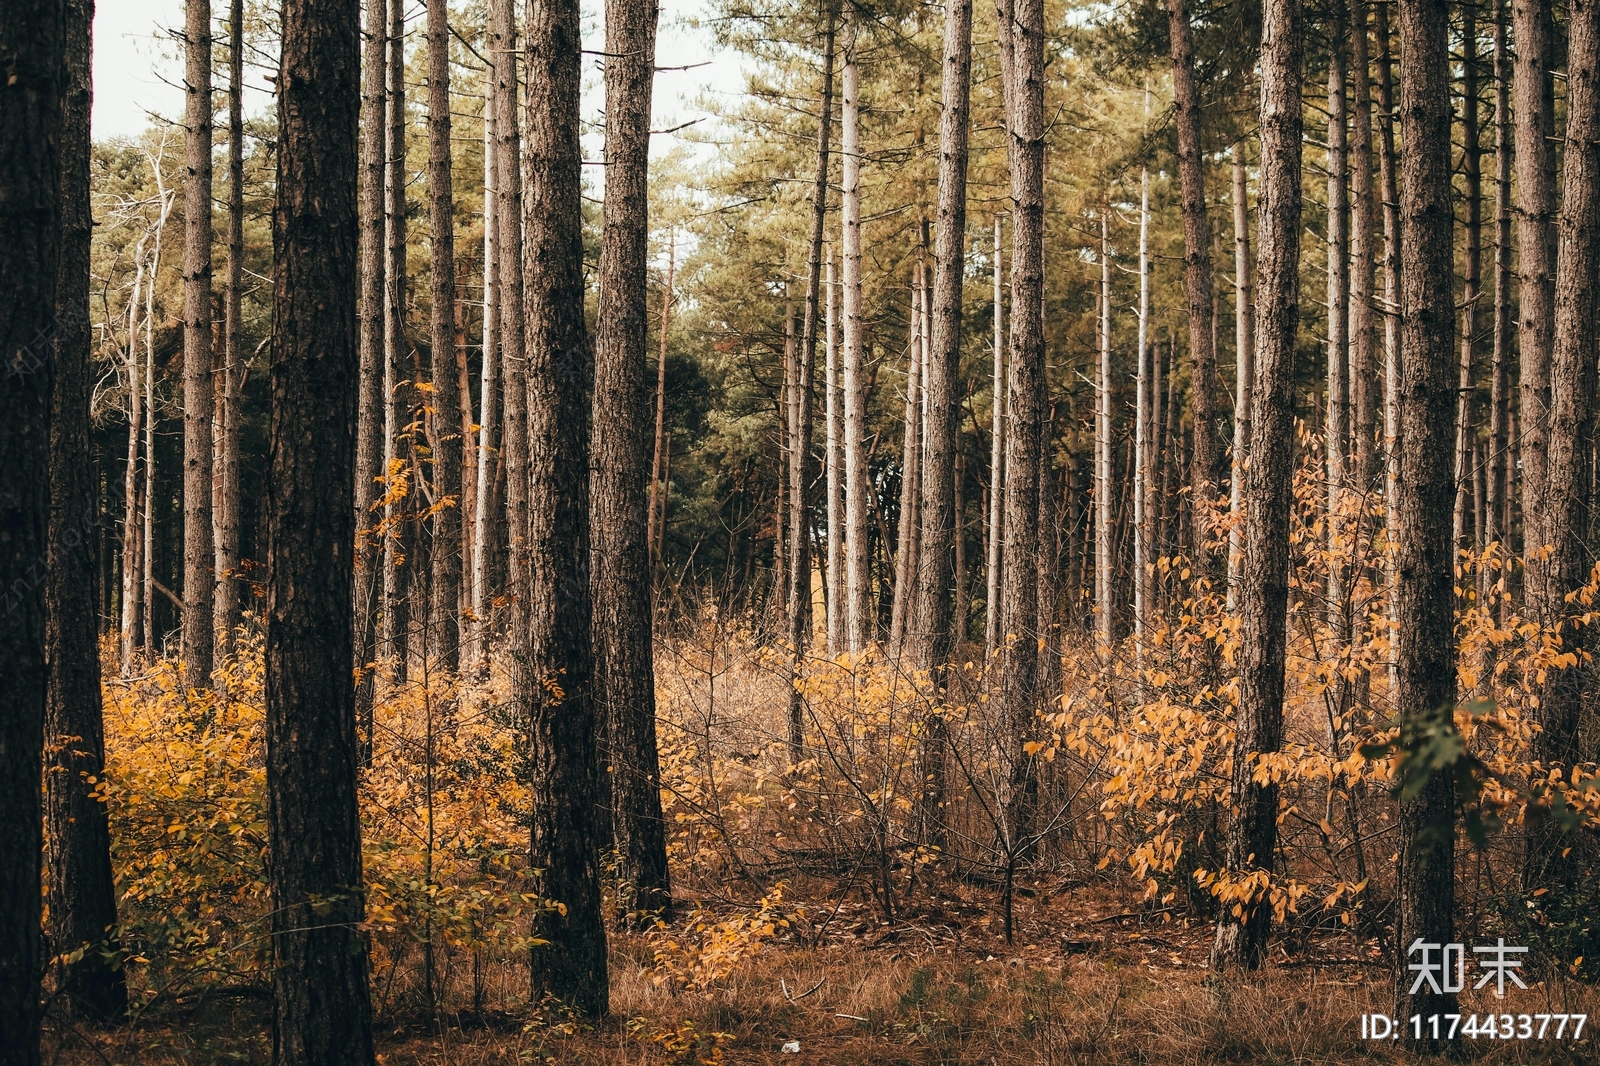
(1089,979)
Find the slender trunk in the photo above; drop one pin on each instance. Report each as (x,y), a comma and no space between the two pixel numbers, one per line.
(445,403)
(132,532)
(199,545)
(1104,518)
(372,449)
(1495,528)
(469,473)
(1022,31)
(657,515)
(321,1011)
(997,460)
(833,415)
(1143,564)
(553,632)
(1392,288)
(1244,356)
(801,474)
(1338,323)
(1263,585)
(83,902)
(1205,465)
(225,452)
(858,589)
(1555,574)
(397,563)
(1363,393)
(1424,554)
(33,39)
(905,573)
(153,646)
(1534,107)
(490,455)
(1472,262)
(623,641)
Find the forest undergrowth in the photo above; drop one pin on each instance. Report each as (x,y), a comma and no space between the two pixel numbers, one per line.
(838,899)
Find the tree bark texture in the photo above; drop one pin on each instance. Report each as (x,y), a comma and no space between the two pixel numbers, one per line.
(1472,262)
(1104,519)
(858,589)
(225,612)
(1363,238)
(623,641)
(83,906)
(446,442)
(1496,530)
(199,547)
(562,701)
(397,391)
(32,37)
(1264,576)
(1244,320)
(1534,106)
(1425,593)
(997,457)
(833,414)
(322,1015)
(1335,427)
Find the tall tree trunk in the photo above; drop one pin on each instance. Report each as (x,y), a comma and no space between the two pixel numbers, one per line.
(397,562)
(1389,192)
(132,533)
(199,547)
(833,414)
(321,1011)
(372,448)
(1495,529)
(83,902)
(858,588)
(1363,222)
(1563,525)
(446,399)
(622,619)
(225,434)
(906,534)
(1534,106)
(1338,321)
(33,38)
(1472,195)
(1244,319)
(1205,465)
(657,516)
(1022,31)
(803,403)
(1143,543)
(997,459)
(1264,578)
(938,614)
(1424,554)
(1104,518)
(490,456)
(564,717)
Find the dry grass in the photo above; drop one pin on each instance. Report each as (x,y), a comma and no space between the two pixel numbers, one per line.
(1088,981)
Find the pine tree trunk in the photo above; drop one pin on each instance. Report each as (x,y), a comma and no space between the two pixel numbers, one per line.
(131,634)
(397,561)
(833,414)
(1143,564)
(1263,584)
(322,1015)
(1496,529)
(858,587)
(199,546)
(1572,389)
(83,906)
(1424,554)
(905,556)
(372,448)
(556,641)
(446,399)
(1338,324)
(225,434)
(1534,107)
(657,515)
(801,475)
(1022,33)
(1472,197)
(33,38)
(485,545)
(1104,518)
(1363,222)
(1206,464)
(1389,191)
(622,623)
(997,460)
(1244,358)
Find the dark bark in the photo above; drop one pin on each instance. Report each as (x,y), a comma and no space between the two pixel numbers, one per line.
(1209,429)
(1496,530)
(1563,525)
(397,561)
(623,639)
(1424,555)
(803,404)
(1023,28)
(937,629)
(1472,262)
(371,401)
(1264,576)
(1363,240)
(445,438)
(32,38)
(1534,106)
(225,435)
(83,904)
(563,748)
(199,546)
(321,1012)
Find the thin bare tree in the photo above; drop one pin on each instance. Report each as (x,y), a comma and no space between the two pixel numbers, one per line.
(199,545)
